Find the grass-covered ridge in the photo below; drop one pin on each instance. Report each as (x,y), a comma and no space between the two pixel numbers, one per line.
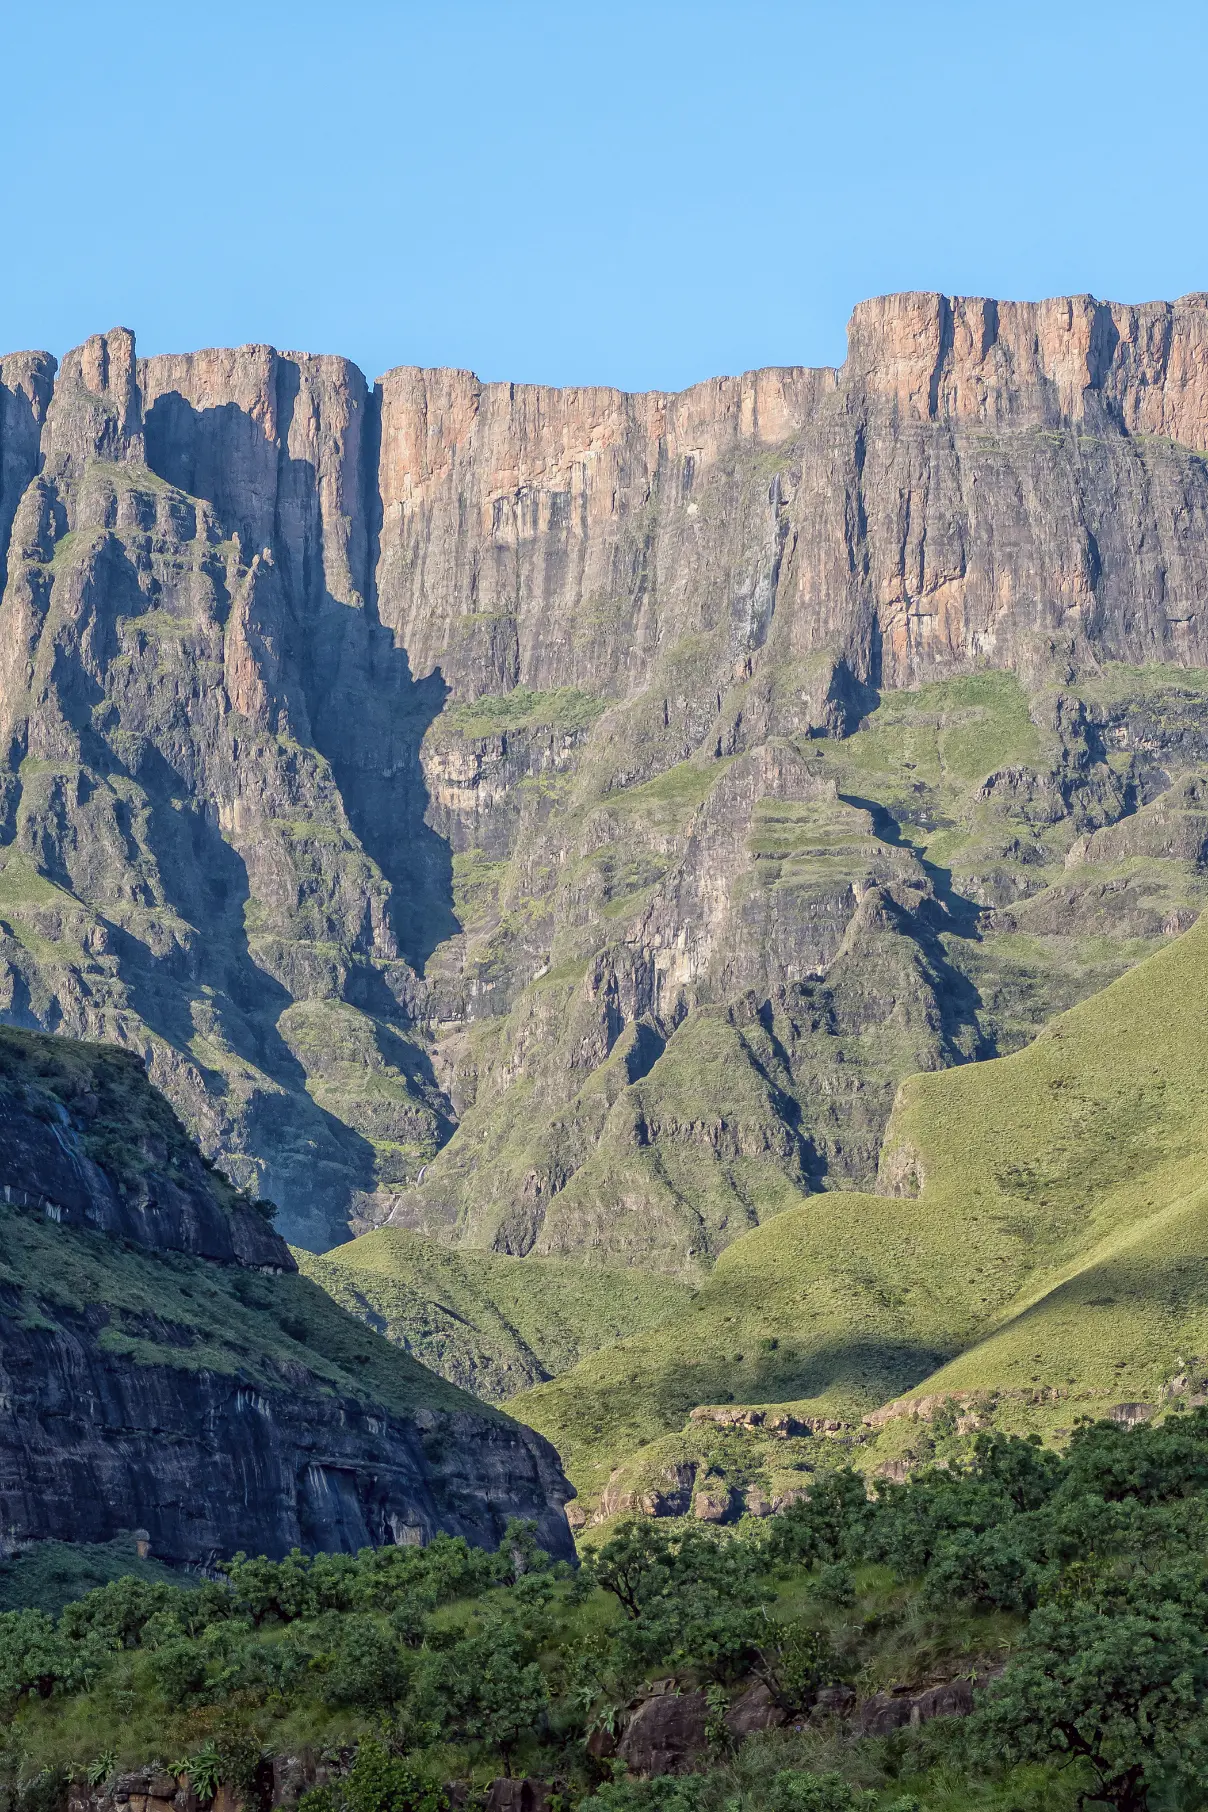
(565,709)
(1049,1239)
(491,1323)
(830,1308)
(165,1308)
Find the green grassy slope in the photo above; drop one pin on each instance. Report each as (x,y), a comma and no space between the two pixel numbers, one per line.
(1036,843)
(1132,1318)
(490,1323)
(165,1308)
(50,1574)
(831,1307)
(1082,1157)
(1058,1242)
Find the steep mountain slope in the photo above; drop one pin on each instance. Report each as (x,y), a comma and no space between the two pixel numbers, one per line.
(491,1324)
(1044,1248)
(458,793)
(163,1366)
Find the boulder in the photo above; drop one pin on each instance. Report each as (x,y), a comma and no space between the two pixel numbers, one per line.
(665,1734)
(601,1743)
(715,1502)
(832,1702)
(953,1699)
(508,1794)
(1130,1413)
(754,1710)
(884,1713)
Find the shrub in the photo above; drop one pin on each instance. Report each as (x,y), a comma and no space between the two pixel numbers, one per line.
(367,1669)
(377,1782)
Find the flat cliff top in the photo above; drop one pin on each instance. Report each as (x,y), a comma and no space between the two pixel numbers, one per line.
(896,337)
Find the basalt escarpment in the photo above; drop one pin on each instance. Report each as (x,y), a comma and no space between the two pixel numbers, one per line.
(556,820)
(164,1368)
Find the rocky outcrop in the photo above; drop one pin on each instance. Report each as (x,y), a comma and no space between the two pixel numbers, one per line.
(163,1367)
(102,1437)
(918,520)
(886,1712)
(85,1142)
(449,789)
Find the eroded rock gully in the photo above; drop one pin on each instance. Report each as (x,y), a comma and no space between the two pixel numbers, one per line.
(457,791)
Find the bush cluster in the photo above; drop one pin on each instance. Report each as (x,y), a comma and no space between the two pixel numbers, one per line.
(1092,1568)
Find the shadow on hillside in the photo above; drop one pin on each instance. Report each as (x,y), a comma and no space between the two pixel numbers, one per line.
(217,988)
(877,1365)
(366,714)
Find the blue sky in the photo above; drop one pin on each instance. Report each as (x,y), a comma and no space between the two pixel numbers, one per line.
(639,194)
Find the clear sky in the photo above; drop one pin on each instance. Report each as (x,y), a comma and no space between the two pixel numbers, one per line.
(575,191)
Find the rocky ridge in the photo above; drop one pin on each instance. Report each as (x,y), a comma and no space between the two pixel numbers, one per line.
(164,1368)
(556,820)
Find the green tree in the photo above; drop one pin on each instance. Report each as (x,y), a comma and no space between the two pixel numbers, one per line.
(794,1661)
(690,1600)
(826,1526)
(378,1781)
(36,1659)
(367,1668)
(487,1687)
(1119,1690)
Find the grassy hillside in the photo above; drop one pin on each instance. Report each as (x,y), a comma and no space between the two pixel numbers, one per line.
(50,1574)
(1057,1246)
(165,1308)
(831,1308)
(490,1323)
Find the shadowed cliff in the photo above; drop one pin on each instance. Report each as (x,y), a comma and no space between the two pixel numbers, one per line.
(164,1367)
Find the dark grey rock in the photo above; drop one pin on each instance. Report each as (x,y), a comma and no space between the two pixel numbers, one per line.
(665,1734)
(518,1795)
(883,1713)
(953,1699)
(122,1418)
(754,1710)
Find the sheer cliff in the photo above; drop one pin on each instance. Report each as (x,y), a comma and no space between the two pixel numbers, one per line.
(163,1367)
(556,820)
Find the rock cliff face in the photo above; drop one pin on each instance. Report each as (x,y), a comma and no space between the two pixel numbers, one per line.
(556,819)
(163,1366)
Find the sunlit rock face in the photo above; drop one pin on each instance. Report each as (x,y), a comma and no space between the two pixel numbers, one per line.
(457,792)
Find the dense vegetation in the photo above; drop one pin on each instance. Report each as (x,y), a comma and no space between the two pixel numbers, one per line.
(1072,1590)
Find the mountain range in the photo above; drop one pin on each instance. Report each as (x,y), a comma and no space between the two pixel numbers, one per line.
(555,821)
(544,832)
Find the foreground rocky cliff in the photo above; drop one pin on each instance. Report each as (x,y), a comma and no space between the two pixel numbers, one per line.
(163,1366)
(556,820)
